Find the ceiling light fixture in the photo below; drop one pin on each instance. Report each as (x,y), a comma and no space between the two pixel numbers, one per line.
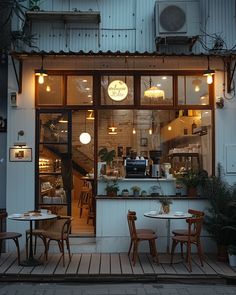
(41,73)
(154,91)
(196,83)
(112,130)
(209,73)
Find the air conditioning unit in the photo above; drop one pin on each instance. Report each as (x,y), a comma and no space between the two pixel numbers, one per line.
(176,22)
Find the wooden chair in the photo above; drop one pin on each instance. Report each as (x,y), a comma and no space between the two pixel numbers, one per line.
(182,232)
(8,235)
(139,235)
(59,233)
(193,237)
(83,198)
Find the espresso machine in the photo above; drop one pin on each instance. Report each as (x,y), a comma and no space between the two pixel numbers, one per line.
(155,168)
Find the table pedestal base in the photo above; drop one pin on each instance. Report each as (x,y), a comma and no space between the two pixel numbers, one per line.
(31,262)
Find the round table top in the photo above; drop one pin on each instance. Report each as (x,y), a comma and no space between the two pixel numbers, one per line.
(31,216)
(171,215)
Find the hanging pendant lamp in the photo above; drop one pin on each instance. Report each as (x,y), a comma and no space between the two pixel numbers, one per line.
(209,73)
(154,91)
(85,137)
(41,73)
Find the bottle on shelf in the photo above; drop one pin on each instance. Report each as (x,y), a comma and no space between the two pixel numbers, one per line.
(194,125)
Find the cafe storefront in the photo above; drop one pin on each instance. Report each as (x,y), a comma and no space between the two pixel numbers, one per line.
(135,113)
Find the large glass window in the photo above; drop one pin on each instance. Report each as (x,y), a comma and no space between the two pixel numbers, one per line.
(50,92)
(79,90)
(192,90)
(156,90)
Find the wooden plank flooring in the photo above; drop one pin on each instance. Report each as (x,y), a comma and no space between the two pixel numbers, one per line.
(89,266)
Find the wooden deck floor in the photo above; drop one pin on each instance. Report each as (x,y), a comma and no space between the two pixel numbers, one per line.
(113,267)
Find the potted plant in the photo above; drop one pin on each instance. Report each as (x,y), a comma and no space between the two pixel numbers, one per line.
(108,157)
(34,5)
(165,204)
(232,255)
(112,188)
(192,179)
(136,189)
(125,192)
(143,193)
(217,220)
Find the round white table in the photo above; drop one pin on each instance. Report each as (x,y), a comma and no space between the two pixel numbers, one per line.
(168,217)
(30,260)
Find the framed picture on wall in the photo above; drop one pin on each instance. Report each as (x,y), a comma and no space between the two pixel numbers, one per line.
(143,141)
(20,154)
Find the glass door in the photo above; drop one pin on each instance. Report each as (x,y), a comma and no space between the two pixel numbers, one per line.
(55,177)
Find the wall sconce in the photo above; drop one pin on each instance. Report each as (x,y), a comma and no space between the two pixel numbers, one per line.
(209,73)
(41,73)
(18,143)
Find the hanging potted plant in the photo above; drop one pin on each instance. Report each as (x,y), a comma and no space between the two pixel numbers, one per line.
(136,189)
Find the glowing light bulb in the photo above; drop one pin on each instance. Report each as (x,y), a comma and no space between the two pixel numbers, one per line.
(85,138)
(134,131)
(209,79)
(48,88)
(197,88)
(41,79)
(169,128)
(150,131)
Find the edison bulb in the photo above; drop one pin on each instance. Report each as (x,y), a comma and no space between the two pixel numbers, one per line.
(41,79)
(134,131)
(85,138)
(169,128)
(197,88)
(209,79)
(150,131)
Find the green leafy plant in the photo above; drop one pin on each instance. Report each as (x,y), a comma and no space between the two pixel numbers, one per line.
(125,192)
(193,178)
(220,219)
(232,249)
(112,186)
(165,201)
(136,188)
(106,156)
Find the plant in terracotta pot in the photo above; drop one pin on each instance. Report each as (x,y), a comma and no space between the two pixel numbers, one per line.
(112,188)
(165,204)
(136,189)
(192,179)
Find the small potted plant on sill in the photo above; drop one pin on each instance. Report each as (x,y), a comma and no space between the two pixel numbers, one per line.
(165,205)
(136,189)
(125,192)
(143,193)
(112,188)
(232,255)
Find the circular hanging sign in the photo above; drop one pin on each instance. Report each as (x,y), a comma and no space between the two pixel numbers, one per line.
(117,90)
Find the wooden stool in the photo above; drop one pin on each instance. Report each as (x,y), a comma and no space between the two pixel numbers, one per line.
(83,198)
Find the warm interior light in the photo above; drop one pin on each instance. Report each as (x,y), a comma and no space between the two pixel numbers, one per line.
(85,138)
(209,73)
(154,91)
(112,130)
(150,131)
(48,88)
(169,128)
(90,115)
(134,131)
(196,83)
(41,73)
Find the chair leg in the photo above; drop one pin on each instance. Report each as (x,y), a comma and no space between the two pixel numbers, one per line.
(135,252)
(130,246)
(174,244)
(35,243)
(18,249)
(68,247)
(189,256)
(153,250)
(182,252)
(26,245)
(200,253)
